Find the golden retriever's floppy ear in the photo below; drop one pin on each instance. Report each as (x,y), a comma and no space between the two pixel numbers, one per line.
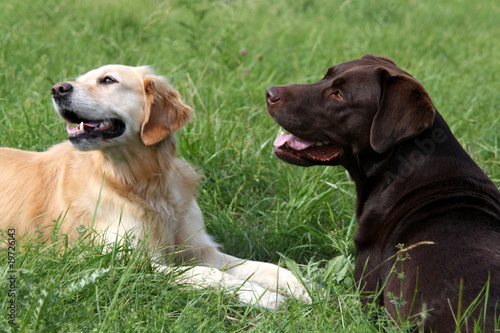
(164,111)
(404,111)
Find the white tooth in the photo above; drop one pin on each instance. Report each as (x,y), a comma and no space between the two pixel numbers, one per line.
(81,127)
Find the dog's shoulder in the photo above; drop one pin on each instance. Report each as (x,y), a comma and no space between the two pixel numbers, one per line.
(188,176)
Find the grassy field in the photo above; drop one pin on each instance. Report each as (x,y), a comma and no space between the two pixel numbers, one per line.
(256,206)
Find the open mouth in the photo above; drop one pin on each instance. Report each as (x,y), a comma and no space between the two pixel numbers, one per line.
(295,150)
(92,129)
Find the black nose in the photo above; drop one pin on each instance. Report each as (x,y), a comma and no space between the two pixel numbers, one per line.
(61,89)
(272,95)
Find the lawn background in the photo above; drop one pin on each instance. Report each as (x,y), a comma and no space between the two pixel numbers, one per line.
(221,56)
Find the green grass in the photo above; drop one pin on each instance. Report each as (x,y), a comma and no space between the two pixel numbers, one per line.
(255,206)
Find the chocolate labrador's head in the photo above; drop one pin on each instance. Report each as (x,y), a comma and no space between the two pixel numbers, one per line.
(364,106)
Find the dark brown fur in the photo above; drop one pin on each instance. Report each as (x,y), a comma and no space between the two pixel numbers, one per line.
(415,186)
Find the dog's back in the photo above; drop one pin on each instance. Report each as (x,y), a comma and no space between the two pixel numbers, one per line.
(25,175)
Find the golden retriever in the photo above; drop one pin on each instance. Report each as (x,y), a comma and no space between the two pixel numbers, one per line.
(119,174)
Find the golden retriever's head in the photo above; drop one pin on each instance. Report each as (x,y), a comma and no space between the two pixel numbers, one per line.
(118,104)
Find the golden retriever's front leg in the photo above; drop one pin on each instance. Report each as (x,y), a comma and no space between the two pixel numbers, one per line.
(247,291)
(200,277)
(267,275)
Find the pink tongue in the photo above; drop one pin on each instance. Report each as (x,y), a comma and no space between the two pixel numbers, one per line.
(91,124)
(293,141)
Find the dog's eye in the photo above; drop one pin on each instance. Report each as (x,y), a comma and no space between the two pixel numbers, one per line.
(337,94)
(108,80)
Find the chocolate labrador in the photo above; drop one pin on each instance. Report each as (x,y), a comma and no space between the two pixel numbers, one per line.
(428,236)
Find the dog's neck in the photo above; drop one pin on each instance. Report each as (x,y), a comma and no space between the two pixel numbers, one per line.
(407,166)
(430,167)
(142,170)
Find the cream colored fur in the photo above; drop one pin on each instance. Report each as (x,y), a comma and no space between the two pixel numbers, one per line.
(136,179)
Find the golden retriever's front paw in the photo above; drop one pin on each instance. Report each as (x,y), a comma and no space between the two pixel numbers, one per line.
(291,285)
(251,293)
(300,293)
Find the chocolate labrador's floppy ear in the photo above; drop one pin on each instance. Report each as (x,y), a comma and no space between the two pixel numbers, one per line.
(404,111)
(164,111)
